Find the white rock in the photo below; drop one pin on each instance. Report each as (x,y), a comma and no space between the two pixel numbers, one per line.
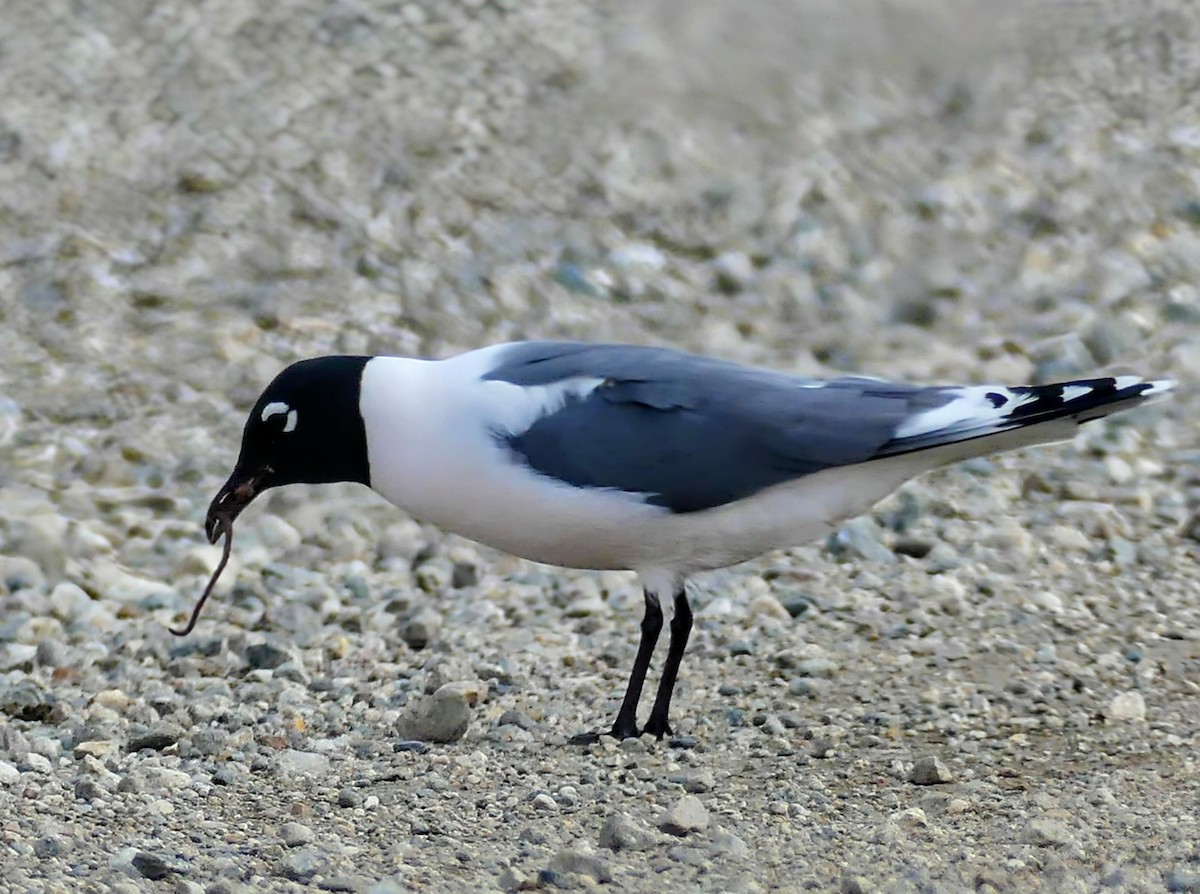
(685,816)
(1127,706)
(302,763)
(8,773)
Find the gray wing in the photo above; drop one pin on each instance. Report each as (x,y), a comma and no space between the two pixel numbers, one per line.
(692,433)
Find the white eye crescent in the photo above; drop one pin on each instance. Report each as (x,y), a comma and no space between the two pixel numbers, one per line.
(277,407)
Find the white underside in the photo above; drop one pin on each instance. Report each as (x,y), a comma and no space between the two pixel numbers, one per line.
(430,435)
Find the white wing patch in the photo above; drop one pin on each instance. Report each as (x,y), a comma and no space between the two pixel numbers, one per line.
(517,407)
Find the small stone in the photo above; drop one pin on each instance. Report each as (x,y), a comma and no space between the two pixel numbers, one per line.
(685,816)
(95,748)
(420,629)
(727,844)
(518,719)
(930,771)
(576,862)
(349,797)
(1048,833)
(51,653)
(153,866)
(543,801)
(300,866)
(859,538)
(694,781)
(620,833)
(155,739)
(464,574)
(1128,706)
(442,717)
(88,790)
(513,879)
(13,742)
(740,647)
(291,762)
(816,667)
(295,835)
(49,847)
(797,604)
(734,271)
(410,745)
(8,773)
(265,656)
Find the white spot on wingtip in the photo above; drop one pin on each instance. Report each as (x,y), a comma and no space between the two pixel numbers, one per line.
(1074,392)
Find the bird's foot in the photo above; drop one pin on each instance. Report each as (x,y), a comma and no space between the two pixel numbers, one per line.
(657,727)
(622,729)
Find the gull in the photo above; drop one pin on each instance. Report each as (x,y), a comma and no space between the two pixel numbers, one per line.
(608,456)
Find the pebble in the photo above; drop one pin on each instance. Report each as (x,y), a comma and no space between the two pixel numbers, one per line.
(725,843)
(513,879)
(9,774)
(859,538)
(442,717)
(266,656)
(621,833)
(685,816)
(695,781)
(301,865)
(930,770)
(1127,706)
(578,862)
(295,835)
(1048,833)
(291,762)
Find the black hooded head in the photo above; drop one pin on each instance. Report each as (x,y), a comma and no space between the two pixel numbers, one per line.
(306,428)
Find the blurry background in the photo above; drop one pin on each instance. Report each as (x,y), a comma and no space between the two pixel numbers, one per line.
(193,194)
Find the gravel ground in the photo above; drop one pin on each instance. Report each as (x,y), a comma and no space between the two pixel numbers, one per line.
(988,684)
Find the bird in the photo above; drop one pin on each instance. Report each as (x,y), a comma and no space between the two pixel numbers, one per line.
(638,458)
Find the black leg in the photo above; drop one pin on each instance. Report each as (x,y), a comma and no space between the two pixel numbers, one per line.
(681,626)
(625,726)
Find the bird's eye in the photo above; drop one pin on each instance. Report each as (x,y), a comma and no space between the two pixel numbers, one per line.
(279,408)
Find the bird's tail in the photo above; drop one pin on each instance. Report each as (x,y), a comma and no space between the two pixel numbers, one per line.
(974,420)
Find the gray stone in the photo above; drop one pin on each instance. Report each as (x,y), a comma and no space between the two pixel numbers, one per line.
(442,717)
(88,790)
(685,816)
(695,781)
(1048,833)
(291,762)
(301,865)
(13,742)
(51,653)
(859,538)
(295,834)
(816,667)
(8,773)
(930,770)
(155,866)
(620,833)
(577,862)
(725,843)
(265,656)
(513,879)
